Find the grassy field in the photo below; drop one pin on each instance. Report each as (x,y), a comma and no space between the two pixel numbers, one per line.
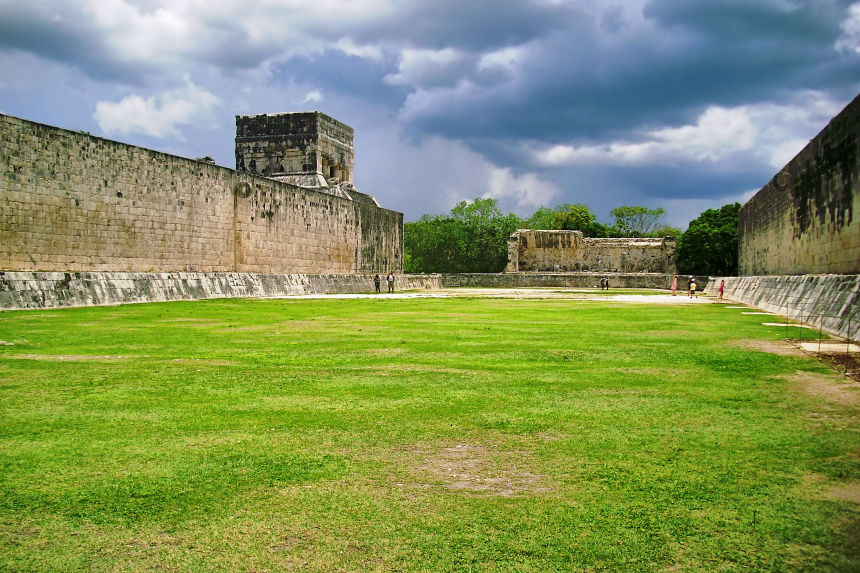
(461,434)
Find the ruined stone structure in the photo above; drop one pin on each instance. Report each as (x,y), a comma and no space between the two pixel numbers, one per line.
(530,250)
(74,202)
(806,220)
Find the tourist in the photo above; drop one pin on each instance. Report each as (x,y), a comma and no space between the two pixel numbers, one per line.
(674,284)
(390,279)
(693,288)
(376,281)
(722,288)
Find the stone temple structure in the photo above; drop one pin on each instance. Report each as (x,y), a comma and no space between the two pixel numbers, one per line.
(569,251)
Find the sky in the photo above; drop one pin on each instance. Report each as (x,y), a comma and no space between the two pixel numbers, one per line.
(683,105)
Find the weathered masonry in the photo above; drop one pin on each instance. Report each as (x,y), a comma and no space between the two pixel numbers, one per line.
(806,220)
(74,202)
(531,250)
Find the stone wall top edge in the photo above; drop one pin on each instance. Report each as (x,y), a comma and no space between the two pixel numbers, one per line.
(227,172)
(792,276)
(849,113)
(654,240)
(61,275)
(83,135)
(317,114)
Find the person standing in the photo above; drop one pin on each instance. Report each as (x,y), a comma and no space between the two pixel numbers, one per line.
(722,288)
(390,279)
(674,284)
(693,286)
(376,281)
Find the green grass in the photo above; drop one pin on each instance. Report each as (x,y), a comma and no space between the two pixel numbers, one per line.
(460,434)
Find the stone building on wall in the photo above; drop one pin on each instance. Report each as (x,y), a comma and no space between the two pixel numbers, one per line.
(806,220)
(74,202)
(569,251)
(310,150)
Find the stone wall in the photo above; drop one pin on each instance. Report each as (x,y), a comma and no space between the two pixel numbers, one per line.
(806,220)
(538,250)
(574,280)
(831,302)
(22,290)
(74,202)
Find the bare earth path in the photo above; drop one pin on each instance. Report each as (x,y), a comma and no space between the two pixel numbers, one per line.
(536,293)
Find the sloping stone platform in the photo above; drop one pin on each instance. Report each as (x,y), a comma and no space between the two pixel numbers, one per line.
(831,302)
(21,290)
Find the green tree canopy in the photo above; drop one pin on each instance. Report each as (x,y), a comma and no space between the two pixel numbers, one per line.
(568,217)
(710,245)
(472,239)
(636,221)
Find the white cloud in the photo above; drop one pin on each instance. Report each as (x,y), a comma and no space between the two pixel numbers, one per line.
(718,132)
(524,193)
(312,96)
(368,52)
(504,59)
(418,67)
(768,133)
(849,41)
(159,115)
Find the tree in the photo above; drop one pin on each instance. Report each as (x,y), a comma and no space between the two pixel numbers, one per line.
(635,221)
(543,218)
(568,217)
(709,246)
(472,239)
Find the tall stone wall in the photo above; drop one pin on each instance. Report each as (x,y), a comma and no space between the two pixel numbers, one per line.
(74,202)
(551,250)
(806,220)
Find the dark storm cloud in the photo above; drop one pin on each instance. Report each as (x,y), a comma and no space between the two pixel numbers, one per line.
(470,25)
(67,33)
(585,85)
(335,71)
(58,34)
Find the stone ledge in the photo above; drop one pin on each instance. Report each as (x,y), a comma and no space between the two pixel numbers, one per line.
(830,302)
(23,290)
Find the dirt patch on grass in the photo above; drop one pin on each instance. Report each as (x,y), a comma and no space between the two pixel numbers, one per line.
(386,351)
(73,357)
(836,389)
(779,347)
(205,361)
(475,468)
(846,492)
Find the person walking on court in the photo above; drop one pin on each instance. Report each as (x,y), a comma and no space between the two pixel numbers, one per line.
(693,286)
(674,284)
(722,288)
(390,279)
